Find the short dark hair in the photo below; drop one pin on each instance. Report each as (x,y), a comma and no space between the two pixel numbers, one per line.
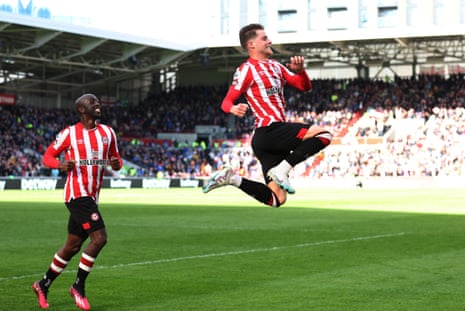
(248,32)
(84,99)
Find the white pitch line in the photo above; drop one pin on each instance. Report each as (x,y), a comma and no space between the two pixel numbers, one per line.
(248,251)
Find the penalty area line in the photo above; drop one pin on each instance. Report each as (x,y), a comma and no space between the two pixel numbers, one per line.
(232,253)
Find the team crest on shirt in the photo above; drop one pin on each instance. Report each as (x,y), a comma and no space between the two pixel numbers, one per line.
(94,154)
(105,140)
(94,216)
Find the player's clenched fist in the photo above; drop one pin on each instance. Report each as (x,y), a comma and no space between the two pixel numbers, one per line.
(239,110)
(67,165)
(115,164)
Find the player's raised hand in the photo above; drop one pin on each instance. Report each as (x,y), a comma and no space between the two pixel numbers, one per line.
(239,110)
(296,64)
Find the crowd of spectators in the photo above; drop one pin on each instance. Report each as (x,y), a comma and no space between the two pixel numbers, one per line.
(419,123)
(433,148)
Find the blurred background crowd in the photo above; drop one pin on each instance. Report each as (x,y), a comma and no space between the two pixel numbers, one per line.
(405,127)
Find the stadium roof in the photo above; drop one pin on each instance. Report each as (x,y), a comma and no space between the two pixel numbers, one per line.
(40,60)
(44,61)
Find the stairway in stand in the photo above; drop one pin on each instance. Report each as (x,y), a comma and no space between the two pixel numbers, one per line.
(357,115)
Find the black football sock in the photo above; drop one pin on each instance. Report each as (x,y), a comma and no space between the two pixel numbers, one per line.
(86,264)
(48,279)
(56,267)
(259,192)
(80,282)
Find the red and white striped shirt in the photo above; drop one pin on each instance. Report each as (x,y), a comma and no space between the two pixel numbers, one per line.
(262,83)
(91,150)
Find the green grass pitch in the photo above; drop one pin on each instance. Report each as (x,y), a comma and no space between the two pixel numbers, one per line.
(179,249)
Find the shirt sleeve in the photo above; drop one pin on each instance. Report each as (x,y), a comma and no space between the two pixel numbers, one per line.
(300,81)
(240,83)
(231,96)
(55,149)
(113,151)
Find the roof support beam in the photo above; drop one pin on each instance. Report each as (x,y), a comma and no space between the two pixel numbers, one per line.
(402,42)
(4,26)
(65,62)
(86,47)
(41,39)
(133,50)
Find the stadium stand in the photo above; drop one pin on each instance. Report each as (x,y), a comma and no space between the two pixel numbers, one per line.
(406,127)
